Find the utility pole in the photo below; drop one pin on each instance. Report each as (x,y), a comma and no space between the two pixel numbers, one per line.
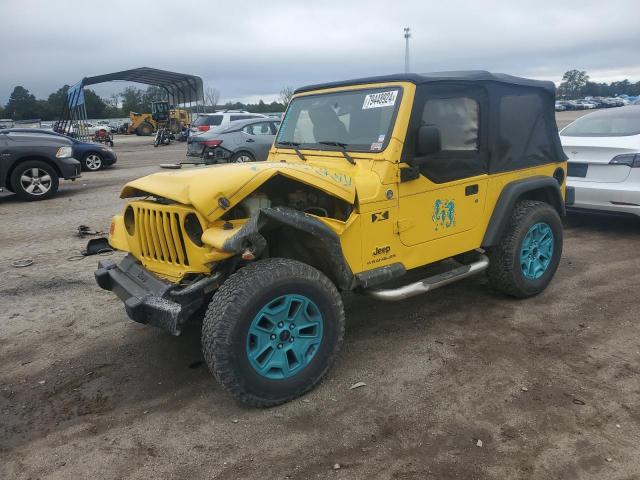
(407,35)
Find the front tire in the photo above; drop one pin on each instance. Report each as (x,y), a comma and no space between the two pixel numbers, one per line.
(34,180)
(272,331)
(144,129)
(528,255)
(92,162)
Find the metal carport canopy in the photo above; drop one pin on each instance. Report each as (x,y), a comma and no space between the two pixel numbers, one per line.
(180,87)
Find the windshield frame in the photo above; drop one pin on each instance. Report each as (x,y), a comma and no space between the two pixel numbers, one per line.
(345,91)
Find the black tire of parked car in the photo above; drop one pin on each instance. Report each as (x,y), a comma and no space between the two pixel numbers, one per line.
(92,162)
(505,272)
(240,157)
(34,180)
(233,308)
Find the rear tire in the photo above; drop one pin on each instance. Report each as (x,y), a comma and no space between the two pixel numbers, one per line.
(528,255)
(34,180)
(272,331)
(242,157)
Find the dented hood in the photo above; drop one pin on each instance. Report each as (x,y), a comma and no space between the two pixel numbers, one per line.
(204,187)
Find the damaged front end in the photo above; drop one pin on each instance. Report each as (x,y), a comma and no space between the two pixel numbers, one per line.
(181,248)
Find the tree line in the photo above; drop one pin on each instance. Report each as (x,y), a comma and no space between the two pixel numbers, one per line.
(23,105)
(577,84)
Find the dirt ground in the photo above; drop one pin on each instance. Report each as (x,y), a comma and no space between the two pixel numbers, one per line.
(460,383)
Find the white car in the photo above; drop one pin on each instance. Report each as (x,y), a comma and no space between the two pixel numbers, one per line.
(205,121)
(604,161)
(587,104)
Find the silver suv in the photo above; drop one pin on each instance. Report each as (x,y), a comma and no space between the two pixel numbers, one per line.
(205,121)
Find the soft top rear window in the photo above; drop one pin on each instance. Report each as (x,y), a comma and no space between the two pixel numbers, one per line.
(208,120)
(619,123)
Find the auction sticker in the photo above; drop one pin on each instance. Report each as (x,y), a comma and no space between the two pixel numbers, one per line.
(381,99)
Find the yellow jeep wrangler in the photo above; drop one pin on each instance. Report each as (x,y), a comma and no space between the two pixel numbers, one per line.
(369,183)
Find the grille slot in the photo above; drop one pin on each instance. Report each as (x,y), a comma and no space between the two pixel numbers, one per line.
(159,235)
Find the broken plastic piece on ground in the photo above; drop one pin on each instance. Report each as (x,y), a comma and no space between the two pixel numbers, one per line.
(173,166)
(84,230)
(96,246)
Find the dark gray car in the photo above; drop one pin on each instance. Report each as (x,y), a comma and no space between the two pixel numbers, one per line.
(31,164)
(240,141)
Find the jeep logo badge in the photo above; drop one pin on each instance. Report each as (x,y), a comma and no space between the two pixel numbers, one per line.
(381,250)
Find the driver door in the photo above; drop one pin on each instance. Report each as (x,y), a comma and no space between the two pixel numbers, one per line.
(447,196)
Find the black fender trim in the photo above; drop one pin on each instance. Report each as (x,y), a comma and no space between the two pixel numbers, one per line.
(511,194)
(250,236)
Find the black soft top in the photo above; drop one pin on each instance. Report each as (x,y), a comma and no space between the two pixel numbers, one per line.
(516,126)
(479,76)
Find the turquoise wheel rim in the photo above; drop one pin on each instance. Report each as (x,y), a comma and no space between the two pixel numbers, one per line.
(537,251)
(284,336)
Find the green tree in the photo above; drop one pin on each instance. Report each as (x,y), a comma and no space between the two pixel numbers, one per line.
(573,83)
(94,105)
(57,101)
(132,101)
(623,87)
(153,94)
(22,104)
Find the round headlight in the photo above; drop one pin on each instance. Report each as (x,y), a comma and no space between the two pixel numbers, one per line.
(129,221)
(193,228)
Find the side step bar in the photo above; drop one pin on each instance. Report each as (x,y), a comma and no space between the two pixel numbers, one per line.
(429,283)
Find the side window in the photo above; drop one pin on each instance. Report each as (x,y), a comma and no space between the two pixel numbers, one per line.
(457,120)
(524,132)
(274,127)
(258,129)
(214,120)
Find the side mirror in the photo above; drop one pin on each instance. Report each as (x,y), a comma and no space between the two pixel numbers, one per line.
(428,140)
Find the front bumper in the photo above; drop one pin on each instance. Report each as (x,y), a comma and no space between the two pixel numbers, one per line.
(149,299)
(69,168)
(110,158)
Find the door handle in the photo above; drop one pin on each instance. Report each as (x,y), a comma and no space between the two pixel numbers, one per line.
(250,140)
(471,190)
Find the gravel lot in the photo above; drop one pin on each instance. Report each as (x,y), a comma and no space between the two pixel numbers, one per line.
(461,383)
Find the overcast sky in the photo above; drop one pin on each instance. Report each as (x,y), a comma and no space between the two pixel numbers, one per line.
(251,49)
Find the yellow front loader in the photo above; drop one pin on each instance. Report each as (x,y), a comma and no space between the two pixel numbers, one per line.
(145,124)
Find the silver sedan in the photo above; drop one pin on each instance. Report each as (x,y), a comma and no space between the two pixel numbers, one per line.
(239,141)
(604,161)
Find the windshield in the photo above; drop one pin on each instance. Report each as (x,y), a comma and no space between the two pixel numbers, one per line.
(618,123)
(361,120)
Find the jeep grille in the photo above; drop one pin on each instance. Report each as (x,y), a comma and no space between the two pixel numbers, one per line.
(159,234)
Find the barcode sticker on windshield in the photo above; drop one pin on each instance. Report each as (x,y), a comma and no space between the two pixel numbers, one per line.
(382,99)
